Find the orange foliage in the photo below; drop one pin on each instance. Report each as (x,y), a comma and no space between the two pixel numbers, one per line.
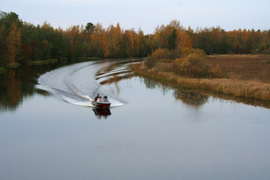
(183,40)
(13,43)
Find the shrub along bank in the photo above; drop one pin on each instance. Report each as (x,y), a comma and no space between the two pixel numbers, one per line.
(191,70)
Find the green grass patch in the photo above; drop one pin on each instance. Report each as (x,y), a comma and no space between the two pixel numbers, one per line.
(39,62)
(81,59)
(53,60)
(3,70)
(13,65)
(93,58)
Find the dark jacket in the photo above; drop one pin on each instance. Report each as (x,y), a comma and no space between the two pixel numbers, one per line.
(96,98)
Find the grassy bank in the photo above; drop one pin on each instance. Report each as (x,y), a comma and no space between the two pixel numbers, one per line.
(13,65)
(247,76)
(41,62)
(2,70)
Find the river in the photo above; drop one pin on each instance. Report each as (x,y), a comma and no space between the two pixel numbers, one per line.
(49,129)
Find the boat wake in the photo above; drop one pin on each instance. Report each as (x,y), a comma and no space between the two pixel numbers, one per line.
(79,83)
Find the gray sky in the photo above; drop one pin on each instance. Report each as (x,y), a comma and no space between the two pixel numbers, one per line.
(144,14)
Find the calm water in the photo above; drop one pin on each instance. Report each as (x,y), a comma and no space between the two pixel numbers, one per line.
(48,129)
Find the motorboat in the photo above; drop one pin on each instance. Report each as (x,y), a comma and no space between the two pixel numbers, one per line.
(101,104)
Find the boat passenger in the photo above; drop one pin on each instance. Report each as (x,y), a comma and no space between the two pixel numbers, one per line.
(96,98)
(105,99)
(99,99)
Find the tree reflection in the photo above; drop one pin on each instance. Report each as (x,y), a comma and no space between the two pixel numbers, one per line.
(17,85)
(191,97)
(153,84)
(186,96)
(10,94)
(149,83)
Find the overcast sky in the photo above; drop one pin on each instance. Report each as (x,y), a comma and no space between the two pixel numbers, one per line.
(144,14)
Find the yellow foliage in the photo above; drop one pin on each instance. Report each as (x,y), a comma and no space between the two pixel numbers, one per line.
(199,52)
(13,42)
(215,72)
(160,53)
(183,40)
(186,51)
(192,65)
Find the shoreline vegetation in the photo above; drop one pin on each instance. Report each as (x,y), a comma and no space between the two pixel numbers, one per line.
(24,43)
(239,75)
(174,53)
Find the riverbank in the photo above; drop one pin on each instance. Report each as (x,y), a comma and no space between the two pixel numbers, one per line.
(3,70)
(246,76)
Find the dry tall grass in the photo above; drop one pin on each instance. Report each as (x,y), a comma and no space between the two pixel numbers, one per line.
(241,88)
(243,67)
(249,76)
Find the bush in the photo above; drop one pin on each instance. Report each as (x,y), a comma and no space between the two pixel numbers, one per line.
(175,53)
(215,72)
(256,51)
(157,55)
(192,65)
(160,54)
(150,62)
(266,51)
(199,52)
(186,51)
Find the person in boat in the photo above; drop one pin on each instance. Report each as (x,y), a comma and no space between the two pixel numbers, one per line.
(99,99)
(105,98)
(96,98)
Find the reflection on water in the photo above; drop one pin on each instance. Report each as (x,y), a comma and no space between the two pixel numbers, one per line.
(186,96)
(153,84)
(191,97)
(17,85)
(197,98)
(102,113)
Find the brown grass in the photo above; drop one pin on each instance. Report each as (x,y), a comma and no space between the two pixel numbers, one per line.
(249,76)
(243,67)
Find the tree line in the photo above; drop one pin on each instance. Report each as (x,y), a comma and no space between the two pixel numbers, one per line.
(21,41)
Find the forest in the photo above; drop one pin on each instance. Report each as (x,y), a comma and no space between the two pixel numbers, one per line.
(22,42)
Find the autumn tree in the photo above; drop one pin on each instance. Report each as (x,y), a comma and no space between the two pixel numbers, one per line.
(183,41)
(114,35)
(104,44)
(165,36)
(45,49)
(90,28)
(171,38)
(141,41)
(13,43)
(130,45)
(96,39)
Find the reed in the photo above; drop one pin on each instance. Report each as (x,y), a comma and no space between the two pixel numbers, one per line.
(233,86)
(13,65)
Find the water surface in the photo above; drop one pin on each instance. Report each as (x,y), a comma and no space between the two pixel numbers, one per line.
(50,131)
